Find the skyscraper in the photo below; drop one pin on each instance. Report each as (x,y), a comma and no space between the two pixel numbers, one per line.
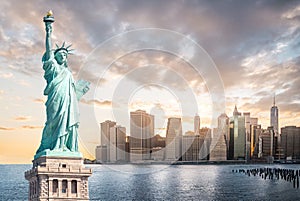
(253,134)
(196,124)
(218,148)
(173,139)
(248,133)
(291,142)
(205,134)
(102,151)
(117,144)
(105,129)
(223,126)
(266,147)
(274,118)
(247,125)
(141,132)
(237,139)
(191,147)
(256,131)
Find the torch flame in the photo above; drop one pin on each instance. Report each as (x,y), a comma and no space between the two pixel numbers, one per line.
(50,13)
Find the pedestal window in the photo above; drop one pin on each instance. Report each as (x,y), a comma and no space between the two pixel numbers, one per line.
(64,186)
(74,186)
(54,186)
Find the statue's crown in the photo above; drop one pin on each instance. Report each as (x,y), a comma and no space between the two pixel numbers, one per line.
(69,51)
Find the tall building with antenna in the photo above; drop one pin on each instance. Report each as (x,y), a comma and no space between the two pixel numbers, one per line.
(279,154)
(274,118)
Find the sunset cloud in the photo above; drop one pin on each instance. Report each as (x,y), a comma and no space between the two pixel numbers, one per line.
(7,128)
(32,127)
(22,118)
(39,100)
(105,103)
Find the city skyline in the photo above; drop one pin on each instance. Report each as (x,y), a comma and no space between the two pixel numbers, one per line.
(197,121)
(239,137)
(254,46)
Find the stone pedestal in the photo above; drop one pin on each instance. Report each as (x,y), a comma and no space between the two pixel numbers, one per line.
(58,178)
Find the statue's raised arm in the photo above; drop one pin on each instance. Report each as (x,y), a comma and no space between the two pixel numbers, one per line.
(60,134)
(48,19)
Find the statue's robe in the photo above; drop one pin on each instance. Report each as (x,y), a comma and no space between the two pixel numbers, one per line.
(61,106)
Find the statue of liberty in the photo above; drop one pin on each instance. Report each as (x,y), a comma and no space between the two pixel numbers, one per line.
(60,134)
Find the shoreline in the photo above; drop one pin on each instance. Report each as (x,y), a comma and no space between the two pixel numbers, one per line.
(231,162)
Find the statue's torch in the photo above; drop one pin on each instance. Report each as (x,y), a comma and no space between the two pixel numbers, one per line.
(49,17)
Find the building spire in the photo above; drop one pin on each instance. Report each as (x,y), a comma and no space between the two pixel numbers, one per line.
(235,112)
(274,100)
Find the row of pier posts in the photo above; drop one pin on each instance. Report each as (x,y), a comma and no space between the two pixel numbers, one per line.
(289,175)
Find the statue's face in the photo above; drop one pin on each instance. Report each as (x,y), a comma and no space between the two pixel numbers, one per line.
(61,57)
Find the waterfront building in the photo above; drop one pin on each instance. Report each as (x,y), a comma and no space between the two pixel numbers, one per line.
(247,133)
(205,134)
(223,125)
(247,125)
(141,132)
(101,153)
(127,149)
(174,139)
(158,153)
(105,140)
(191,147)
(218,147)
(253,136)
(237,139)
(158,144)
(117,144)
(290,141)
(266,145)
(274,113)
(256,130)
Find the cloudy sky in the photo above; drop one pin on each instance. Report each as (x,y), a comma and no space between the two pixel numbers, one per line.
(170,58)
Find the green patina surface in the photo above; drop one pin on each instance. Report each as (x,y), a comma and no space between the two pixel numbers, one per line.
(60,134)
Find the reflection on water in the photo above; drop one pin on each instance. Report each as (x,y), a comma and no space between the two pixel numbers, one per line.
(163,182)
(185,182)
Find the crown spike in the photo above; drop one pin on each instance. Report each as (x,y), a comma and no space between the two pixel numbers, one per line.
(63,47)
